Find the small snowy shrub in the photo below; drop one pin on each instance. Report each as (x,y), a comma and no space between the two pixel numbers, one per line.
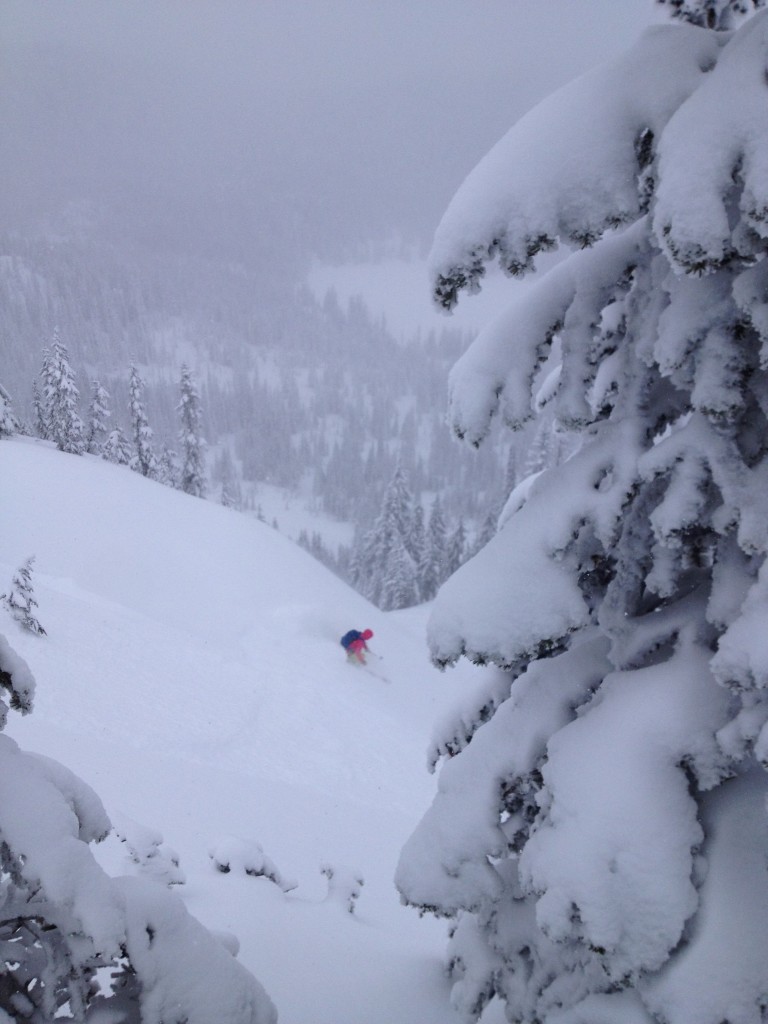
(148,854)
(599,838)
(247,856)
(20,599)
(76,944)
(344,885)
(117,448)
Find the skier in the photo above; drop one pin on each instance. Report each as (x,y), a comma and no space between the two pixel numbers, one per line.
(354,643)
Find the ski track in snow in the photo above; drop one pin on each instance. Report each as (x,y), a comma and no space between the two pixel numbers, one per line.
(192,674)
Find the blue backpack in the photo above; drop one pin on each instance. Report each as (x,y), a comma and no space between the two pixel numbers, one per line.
(346,640)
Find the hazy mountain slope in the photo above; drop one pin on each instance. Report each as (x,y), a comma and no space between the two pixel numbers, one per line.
(192,674)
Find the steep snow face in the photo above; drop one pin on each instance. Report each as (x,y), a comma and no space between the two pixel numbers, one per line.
(192,674)
(241,616)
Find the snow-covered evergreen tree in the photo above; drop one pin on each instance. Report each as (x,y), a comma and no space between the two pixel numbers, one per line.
(168,468)
(431,570)
(98,414)
(417,538)
(8,422)
(486,532)
(601,837)
(190,436)
(77,944)
(361,563)
(143,459)
(20,599)
(378,564)
(117,448)
(356,563)
(398,504)
(61,398)
(41,416)
(455,549)
(231,491)
(398,578)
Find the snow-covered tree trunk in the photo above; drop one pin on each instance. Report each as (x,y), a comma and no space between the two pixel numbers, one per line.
(601,837)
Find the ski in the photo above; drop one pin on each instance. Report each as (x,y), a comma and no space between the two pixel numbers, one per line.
(370,670)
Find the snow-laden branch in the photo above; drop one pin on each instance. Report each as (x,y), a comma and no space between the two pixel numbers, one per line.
(490,610)
(518,201)
(46,847)
(500,366)
(715,150)
(619,835)
(508,749)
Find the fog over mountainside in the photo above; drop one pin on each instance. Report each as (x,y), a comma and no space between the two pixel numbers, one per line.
(217,127)
(175,172)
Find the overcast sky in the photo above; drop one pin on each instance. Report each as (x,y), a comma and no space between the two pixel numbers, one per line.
(334,122)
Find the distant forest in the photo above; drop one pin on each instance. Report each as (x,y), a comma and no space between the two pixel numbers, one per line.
(302,394)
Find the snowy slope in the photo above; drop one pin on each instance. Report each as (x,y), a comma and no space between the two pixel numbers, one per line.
(192,674)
